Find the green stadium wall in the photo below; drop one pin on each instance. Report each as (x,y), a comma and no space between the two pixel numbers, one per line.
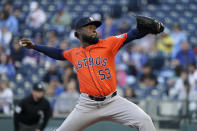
(6,124)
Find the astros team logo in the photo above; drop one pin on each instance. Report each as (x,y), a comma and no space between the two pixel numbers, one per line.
(119,36)
(91,19)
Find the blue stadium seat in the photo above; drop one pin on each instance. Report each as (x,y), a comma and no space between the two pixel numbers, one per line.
(194,19)
(35,78)
(184,1)
(19,78)
(12,85)
(169,1)
(123,2)
(160,14)
(2,2)
(182,21)
(193,39)
(1,7)
(27,85)
(25,8)
(192,7)
(91,8)
(86,14)
(69,7)
(174,14)
(83,2)
(51,8)
(20,92)
(97,2)
(151,8)
(27,33)
(105,8)
(179,7)
(41,72)
(111,2)
(191,27)
(46,27)
(78,8)
(165,8)
(69,3)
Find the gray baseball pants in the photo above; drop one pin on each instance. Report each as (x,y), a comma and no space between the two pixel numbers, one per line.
(116,109)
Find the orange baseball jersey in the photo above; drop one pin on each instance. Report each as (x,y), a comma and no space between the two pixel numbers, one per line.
(95,65)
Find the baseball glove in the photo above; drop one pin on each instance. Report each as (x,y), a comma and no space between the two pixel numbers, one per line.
(149,25)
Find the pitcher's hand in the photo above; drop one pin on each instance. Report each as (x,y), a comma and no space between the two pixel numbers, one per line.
(25,42)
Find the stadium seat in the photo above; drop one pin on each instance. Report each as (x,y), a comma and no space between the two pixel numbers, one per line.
(169,1)
(105,8)
(19,78)
(83,2)
(160,14)
(27,86)
(20,92)
(51,8)
(25,8)
(12,85)
(91,8)
(182,20)
(165,8)
(193,39)
(41,72)
(174,14)
(123,2)
(193,7)
(1,7)
(191,27)
(188,14)
(77,8)
(2,2)
(97,2)
(86,14)
(151,8)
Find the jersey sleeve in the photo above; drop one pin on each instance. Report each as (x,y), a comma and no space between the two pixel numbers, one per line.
(67,54)
(116,42)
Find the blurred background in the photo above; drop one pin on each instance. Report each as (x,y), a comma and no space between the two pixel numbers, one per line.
(156,72)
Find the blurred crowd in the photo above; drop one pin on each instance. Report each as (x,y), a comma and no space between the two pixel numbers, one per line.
(157,67)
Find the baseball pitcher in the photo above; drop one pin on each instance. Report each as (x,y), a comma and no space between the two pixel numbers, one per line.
(94,63)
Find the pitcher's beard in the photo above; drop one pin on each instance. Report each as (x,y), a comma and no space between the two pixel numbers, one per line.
(89,39)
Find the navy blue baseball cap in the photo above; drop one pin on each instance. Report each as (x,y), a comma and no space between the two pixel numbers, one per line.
(84,21)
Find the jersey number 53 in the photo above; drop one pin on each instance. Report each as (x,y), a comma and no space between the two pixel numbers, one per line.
(104,73)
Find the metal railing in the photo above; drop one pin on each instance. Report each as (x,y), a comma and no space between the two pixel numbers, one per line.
(157,109)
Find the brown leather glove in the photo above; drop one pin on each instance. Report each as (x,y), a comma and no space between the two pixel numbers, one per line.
(25,42)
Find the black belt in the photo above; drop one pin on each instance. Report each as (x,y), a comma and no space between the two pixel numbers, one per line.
(101,98)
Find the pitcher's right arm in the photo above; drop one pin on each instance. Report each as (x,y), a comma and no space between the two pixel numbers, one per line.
(52,52)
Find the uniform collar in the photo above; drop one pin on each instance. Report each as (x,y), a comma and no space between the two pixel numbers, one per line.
(90,46)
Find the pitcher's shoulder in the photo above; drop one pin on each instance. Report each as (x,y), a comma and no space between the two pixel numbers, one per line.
(108,39)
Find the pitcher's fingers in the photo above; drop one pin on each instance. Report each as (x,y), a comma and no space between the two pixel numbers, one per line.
(25,39)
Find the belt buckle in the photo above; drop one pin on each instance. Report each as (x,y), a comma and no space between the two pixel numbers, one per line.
(100,98)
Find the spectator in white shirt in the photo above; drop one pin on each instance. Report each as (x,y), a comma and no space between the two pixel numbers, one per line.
(6,98)
(36,16)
